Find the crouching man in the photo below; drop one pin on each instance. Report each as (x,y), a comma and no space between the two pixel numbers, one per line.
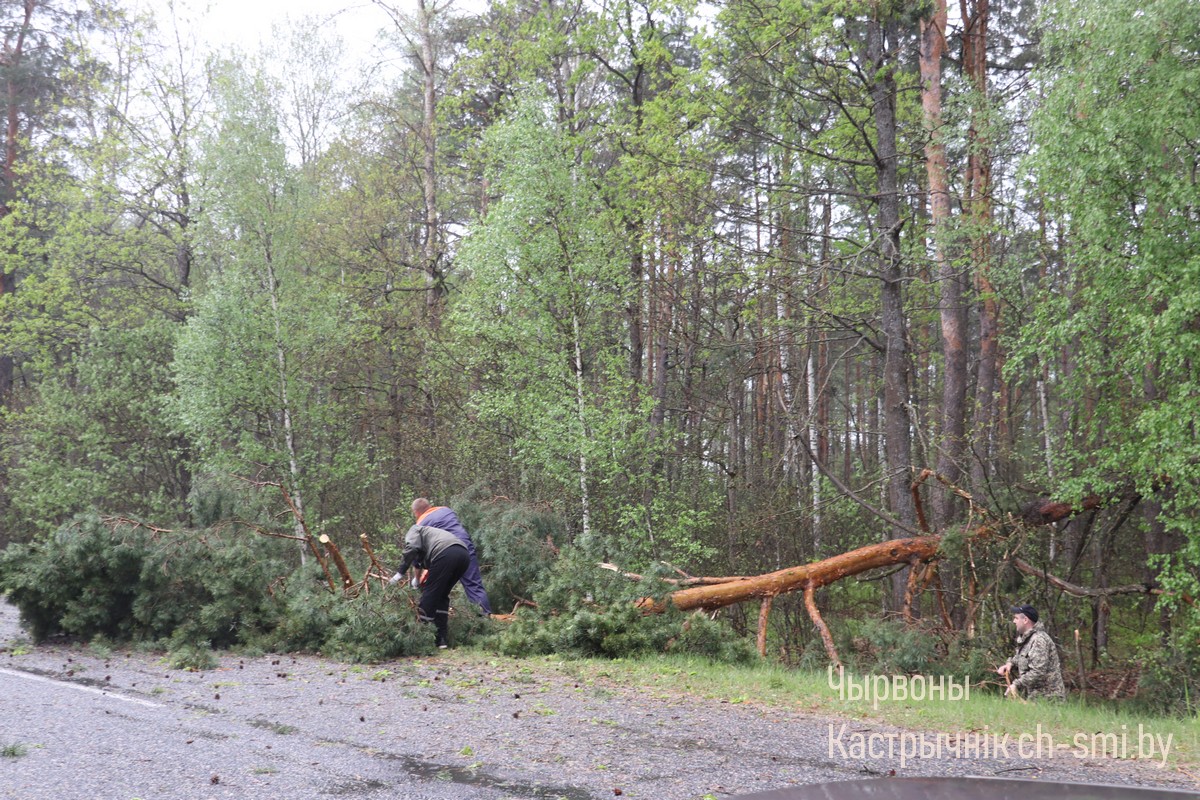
(1039,673)
(446,559)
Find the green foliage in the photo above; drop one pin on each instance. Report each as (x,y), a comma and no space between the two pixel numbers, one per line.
(537,322)
(893,648)
(1116,165)
(674,235)
(371,627)
(201,590)
(712,639)
(585,611)
(375,627)
(516,544)
(123,583)
(97,434)
(1170,677)
(258,366)
(82,581)
(671,527)
(210,589)
(874,645)
(191,657)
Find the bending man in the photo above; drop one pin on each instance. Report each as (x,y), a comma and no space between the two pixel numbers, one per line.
(447,559)
(444,518)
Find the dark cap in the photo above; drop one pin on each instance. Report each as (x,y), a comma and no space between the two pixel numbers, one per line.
(1028,611)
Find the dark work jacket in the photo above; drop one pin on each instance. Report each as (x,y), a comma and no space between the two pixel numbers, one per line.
(423,544)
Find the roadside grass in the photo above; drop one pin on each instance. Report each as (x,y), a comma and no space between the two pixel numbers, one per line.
(17,646)
(14,750)
(1076,727)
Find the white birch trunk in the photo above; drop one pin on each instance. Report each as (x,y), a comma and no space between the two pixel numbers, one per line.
(289,436)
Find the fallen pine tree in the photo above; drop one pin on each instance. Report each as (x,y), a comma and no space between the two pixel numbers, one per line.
(921,553)
(808,578)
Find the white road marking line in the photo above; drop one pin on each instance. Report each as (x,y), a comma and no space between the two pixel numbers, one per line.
(69,685)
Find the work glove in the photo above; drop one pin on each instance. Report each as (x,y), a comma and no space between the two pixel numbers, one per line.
(395,579)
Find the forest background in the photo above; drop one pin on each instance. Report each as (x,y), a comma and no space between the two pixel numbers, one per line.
(653,283)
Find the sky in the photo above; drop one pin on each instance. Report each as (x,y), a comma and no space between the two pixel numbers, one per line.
(247,23)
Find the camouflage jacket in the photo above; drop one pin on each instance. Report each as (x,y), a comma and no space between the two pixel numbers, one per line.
(1039,673)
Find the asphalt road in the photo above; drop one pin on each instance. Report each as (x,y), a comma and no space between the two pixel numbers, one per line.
(80,723)
(83,741)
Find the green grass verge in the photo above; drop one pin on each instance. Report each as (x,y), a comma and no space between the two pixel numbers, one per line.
(1074,724)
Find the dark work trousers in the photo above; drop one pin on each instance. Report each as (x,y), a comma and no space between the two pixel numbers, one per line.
(444,572)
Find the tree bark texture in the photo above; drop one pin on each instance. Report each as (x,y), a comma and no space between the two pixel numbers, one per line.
(898,446)
(951,445)
(431,251)
(977,204)
(12,57)
(916,549)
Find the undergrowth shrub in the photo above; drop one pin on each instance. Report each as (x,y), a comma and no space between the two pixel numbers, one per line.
(208,588)
(585,611)
(1170,678)
(191,657)
(83,580)
(193,591)
(516,544)
(891,647)
(375,626)
(91,580)
(713,639)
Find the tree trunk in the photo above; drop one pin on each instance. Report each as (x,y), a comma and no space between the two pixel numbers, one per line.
(952,445)
(585,508)
(895,360)
(12,58)
(977,206)
(289,433)
(818,574)
(431,254)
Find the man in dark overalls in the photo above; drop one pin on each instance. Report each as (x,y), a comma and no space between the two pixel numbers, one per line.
(446,559)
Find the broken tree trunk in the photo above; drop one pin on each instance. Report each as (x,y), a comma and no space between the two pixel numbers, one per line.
(339,562)
(819,573)
(914,552)
(809,578)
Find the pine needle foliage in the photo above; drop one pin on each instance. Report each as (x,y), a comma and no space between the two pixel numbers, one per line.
(371,627)
(585,611)
(127,584)
(517,544)
(191,592)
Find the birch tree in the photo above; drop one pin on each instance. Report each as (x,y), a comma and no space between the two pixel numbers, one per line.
(257,365)
(540,317)
(1116,162)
